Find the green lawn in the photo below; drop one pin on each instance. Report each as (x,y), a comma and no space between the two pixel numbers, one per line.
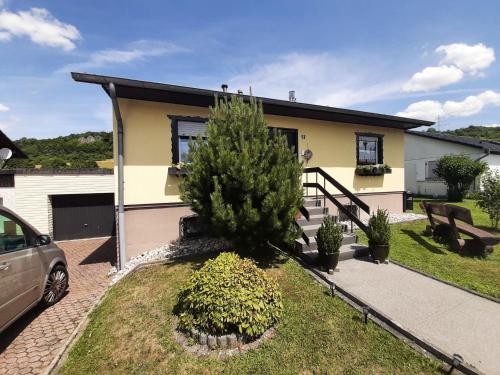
(411,247)
(130,333)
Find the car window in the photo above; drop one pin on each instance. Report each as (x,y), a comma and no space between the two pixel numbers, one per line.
(12,235)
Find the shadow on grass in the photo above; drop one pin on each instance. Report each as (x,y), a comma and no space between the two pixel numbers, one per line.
(422,242)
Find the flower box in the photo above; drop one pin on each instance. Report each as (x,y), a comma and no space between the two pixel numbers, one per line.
(373,170)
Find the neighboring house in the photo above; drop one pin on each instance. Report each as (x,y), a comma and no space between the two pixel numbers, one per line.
(423,149)
(64,203)
(156,121)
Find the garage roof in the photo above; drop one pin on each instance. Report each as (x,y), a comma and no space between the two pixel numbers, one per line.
(160,92)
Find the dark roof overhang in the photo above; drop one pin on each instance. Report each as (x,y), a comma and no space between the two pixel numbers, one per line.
(160,92)
(492,147)
(5,142)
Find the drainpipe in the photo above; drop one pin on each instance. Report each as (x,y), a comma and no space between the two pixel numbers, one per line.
(121,209)
(486,151)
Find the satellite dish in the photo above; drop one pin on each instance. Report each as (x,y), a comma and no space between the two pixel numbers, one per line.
(5,153)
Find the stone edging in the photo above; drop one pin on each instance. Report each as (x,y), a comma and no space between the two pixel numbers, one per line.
(493,299)
(216,347)
(56,364)
(390,325)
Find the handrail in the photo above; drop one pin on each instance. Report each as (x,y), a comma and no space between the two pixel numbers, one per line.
(339,187)
(339,205)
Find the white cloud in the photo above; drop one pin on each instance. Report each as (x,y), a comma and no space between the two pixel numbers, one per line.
(316,78)
(433,77)
(459,58)
(135,51)
(40,26)
(432,109)
(491,125)
(466,57)
(3,108)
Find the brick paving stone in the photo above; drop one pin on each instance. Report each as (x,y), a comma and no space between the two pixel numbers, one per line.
(31,343)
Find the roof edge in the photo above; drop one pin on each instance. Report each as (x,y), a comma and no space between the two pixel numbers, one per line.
(126,82)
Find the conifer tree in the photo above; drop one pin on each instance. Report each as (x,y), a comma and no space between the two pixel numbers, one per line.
(243,182)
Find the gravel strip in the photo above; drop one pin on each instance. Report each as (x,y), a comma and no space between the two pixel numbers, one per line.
(169,251)
(394,218)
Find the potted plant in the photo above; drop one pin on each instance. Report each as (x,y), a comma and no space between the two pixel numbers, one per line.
(379,235)
(329,238)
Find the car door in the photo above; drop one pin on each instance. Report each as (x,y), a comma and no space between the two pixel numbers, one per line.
(20,269)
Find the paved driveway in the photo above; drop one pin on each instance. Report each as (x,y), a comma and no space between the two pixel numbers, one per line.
(30,344)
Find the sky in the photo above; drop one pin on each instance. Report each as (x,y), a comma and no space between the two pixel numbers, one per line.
(432,60)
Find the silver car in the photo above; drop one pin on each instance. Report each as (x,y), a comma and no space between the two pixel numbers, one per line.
(32,269)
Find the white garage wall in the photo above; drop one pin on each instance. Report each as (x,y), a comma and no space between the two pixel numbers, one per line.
(33,193)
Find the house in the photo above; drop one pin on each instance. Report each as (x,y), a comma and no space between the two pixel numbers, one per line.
(152,123)
(64,203)
(423,149)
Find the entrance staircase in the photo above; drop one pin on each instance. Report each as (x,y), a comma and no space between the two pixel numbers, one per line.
(315,210)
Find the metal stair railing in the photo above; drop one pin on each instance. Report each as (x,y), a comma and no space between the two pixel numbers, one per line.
(326,194)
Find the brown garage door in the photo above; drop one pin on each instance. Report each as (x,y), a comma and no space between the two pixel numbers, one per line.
(83,216)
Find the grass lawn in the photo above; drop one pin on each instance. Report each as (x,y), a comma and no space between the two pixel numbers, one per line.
(409,246)
(130,333)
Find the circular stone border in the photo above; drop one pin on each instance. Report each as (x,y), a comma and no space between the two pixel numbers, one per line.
(202,345)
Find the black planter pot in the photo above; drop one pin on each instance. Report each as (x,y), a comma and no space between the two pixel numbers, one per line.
(379,252)
(330,261)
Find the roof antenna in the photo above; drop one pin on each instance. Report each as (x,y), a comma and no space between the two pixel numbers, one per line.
(250,90)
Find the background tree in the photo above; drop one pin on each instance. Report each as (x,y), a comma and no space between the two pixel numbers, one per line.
(488,198)
(244,184)
(458,173)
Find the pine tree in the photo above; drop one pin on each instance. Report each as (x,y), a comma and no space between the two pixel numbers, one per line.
(243,183)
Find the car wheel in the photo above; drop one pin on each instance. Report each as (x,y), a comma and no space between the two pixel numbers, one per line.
(56,286)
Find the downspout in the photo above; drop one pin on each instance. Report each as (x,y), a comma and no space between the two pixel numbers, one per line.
(486,151)
(121,208)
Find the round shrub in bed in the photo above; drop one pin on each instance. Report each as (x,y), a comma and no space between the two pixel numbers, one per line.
(230,295)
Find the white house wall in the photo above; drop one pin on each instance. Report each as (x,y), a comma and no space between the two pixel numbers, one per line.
(420,150)
(33,192)
(493,161)
(8,195)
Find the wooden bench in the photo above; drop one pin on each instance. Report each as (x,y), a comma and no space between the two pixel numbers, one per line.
(453,220)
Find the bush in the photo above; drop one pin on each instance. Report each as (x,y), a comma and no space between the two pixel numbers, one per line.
(230,295)
(379,229)
(329,237)
(488,199)
(458,173)
(243,183)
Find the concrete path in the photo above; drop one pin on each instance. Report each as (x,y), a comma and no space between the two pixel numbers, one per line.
(447,317)
(31,343)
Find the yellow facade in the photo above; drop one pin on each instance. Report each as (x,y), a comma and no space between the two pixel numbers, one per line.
(148,151)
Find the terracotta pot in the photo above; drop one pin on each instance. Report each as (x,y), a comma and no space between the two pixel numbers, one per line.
(330,261)
(379,252)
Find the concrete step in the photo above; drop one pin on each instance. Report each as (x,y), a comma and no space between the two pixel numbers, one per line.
(350,251)
(312,202)
(317,210)
(301,245)
(313,219)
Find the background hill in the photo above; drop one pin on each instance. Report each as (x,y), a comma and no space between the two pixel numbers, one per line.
(482,132)
(71,151)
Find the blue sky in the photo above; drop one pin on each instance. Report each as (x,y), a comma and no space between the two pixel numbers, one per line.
(422,59)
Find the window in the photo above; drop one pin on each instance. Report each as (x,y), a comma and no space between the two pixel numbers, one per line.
(184,129)
(369,149)
(292,137)
(430,167)
(12,235)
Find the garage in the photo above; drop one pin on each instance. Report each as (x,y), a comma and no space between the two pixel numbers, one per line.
(78,216)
